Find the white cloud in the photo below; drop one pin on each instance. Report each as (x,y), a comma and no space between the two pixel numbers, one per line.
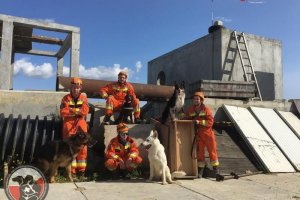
(28,69)
(138,66)
(45,70)
(66,71)
(100,72)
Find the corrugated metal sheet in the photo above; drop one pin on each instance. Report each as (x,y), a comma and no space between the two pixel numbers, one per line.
(258,140)
(282,135)
(291,120)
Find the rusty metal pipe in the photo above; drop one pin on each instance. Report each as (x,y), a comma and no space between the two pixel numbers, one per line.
(145,92)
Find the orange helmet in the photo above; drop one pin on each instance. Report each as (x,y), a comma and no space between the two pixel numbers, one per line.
(76,81)
(122,128)
(122,73)
(199,94)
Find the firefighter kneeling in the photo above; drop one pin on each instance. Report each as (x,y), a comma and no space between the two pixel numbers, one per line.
(122,152)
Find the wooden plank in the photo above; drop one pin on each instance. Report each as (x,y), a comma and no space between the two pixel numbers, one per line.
(183,135)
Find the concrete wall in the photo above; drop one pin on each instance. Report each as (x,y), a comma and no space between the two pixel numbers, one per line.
(30,102)
(266,59)
(207,58)
(190,62)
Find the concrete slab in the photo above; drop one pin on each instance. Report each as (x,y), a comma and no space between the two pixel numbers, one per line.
(252,187)
(138,189)
(262,186)
(64,191)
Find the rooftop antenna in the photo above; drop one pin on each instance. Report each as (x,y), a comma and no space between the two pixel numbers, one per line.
(212,12)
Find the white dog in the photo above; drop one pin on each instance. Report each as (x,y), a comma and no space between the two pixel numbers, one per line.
(157,159)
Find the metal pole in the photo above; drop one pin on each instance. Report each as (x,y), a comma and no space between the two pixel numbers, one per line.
(212,12)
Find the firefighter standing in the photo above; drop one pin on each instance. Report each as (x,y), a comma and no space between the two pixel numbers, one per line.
(74,109)
(122,152)
(206,137)
(115,93)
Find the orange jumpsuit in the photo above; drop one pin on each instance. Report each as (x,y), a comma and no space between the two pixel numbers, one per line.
(116,151)
(206,136)
(74,113)
(115,94)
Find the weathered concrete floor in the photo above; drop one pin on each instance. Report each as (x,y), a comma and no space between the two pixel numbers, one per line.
(271,186)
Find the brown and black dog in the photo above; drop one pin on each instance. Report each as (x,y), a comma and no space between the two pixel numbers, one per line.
(60,153)
(126,111)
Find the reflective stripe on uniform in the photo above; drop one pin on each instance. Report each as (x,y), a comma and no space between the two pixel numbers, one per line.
(192,114)
(115,156)
(202,114)
(104,95)
(79,102)
(77,110)
(127,145)
(74,164)
(125,89)
(214,163)
(118,89)
(132,155)
(81,163)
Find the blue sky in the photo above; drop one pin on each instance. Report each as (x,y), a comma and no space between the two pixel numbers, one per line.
(126,34)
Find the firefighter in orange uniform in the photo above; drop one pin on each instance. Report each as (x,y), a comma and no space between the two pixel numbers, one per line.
(206,137)
(115,93)
(74,109)
(122,152)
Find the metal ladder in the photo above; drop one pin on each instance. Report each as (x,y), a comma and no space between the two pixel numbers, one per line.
(249,74)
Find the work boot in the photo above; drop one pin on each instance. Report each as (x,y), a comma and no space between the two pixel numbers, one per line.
(200,172)
(125,175)
(216,170)
(106,120)
(82,177)
(74,177)
(138,121)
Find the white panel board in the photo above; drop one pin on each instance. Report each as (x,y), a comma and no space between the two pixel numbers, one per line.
(258,140)
(291,119)
(282,135)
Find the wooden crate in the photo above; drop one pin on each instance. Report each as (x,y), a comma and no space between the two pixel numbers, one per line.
(177,138)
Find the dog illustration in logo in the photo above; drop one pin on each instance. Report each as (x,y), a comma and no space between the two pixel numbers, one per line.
(29,189)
